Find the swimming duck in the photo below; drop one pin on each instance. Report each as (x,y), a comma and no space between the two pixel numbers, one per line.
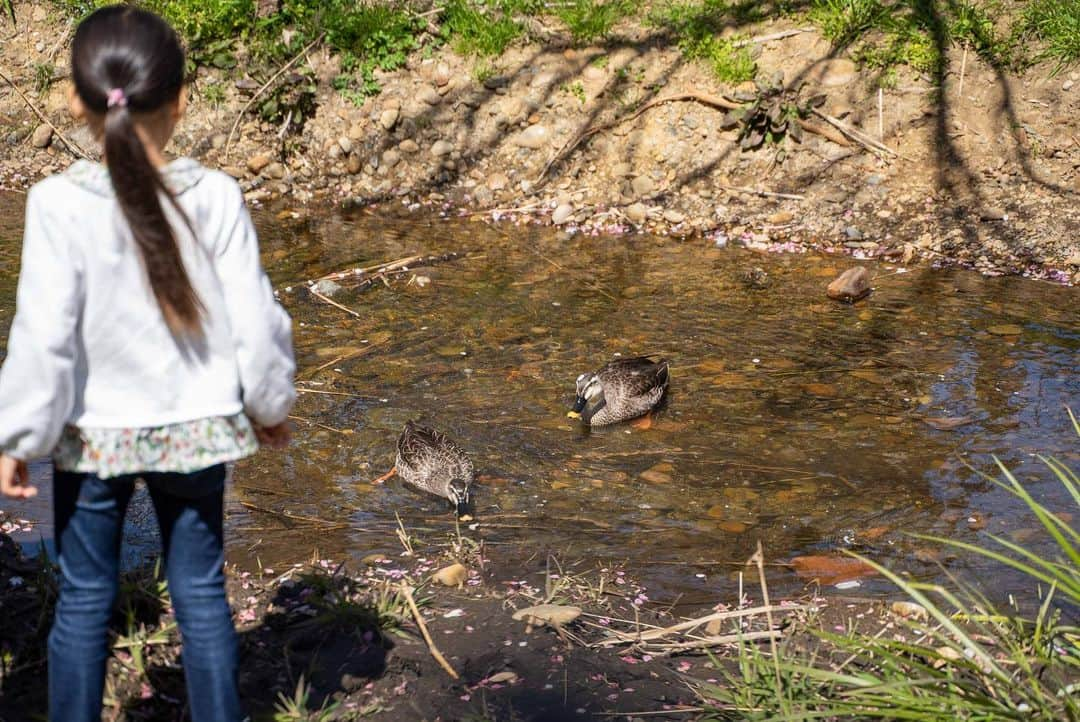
(621,390)
(432,463)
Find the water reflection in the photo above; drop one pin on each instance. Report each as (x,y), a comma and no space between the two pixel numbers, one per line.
(792,419)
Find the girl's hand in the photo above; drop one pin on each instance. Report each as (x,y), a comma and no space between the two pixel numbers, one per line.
(274,437)
(15,478)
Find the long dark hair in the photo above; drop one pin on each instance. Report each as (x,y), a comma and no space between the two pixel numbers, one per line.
(126,61)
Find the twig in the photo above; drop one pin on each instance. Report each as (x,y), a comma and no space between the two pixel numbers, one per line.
(881,114)
(963,68)
(771,634)
(332,302)
(302,390)
(71,145)
(690,624)
(764,194)
(651,713)
(759,559)
(321,426)
(770,37)
(261,90)
(294,517)
(407,593)
(856,136)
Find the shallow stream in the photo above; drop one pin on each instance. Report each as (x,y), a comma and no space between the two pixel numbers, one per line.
(806,424)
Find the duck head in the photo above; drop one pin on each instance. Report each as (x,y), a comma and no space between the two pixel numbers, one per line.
(590,393)
(457,491)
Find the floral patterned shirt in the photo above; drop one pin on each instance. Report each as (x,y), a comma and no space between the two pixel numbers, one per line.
(183,447)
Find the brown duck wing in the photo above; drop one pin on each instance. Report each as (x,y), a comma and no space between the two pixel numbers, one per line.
(635,376)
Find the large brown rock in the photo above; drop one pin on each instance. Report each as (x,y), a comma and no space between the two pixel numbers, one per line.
(851,285)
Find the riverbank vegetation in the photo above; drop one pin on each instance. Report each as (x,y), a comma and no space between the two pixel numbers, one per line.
(373,36)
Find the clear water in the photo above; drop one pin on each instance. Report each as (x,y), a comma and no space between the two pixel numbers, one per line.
(792,419)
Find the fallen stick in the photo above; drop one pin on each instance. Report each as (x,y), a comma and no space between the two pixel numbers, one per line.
(301,390)
(71,145)
(261,90)
(690,624)
(770,37)
(860,138)
(765,194)
(332,302)
(294,517)
(770,634)
(407,593)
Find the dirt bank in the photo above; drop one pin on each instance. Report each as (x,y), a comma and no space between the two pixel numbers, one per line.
(979,169)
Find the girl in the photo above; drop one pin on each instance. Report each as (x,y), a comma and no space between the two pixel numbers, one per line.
(146,337)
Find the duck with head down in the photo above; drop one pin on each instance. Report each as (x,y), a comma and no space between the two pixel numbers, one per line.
(432,463)
(621,390)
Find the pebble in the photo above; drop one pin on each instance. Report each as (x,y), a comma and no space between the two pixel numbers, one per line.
(834,72)
(637,213)
(353,164)
(42,136)
(497,181)
(391,158)
(345,144)
(442,74)
(642,185)
(275,171)
(562,214)
(673,216)
(993,214)
(430,96)
(780,218)
(850,286)
(327,288)
(853,233)
(389,118)
(1068,84)
(441,147)
(258,161)
(408,146)
(533,137)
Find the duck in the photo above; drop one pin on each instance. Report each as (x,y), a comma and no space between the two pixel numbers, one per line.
(431,462)
(620,390)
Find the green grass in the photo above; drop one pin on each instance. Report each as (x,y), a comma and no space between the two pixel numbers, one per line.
(697,26)
(967,658)
(1057,24)
(590,20)
(485,29)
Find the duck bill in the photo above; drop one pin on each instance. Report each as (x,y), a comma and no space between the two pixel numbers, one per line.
(579,405)
(462,507)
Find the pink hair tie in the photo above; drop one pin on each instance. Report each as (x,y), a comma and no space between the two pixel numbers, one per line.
(116,98)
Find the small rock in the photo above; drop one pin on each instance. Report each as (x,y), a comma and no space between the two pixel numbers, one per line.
(533,137)
(257,162)
(1068,84)
(409,146)
(553,614)
(451,576)
(562,214)
(993,214)
(233,171)
(1006,329)
(389,118)
(345,144)
(850,286)
(834,72)
(622,170)
(442,74)
(275,171)
(756,278)
(636,213)
(441,147)
(42,136)
(654,476)
(853,233)
(429,96)
(642,185)
(781,217)
(673,216)
(391,158)
(353,164)
(497,181)
(327,288)
(374,559)
(909,610)
(217,142)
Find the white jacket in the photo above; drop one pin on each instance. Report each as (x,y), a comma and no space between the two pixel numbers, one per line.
(89,345)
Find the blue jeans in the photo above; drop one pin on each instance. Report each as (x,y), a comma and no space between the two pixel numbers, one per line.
(89,517)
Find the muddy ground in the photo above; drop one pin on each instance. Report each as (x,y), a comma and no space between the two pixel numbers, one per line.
(360,654)
(979,167)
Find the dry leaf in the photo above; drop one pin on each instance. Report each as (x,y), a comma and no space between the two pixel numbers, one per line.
(946,423)
(909,610)
(553,614)
(828,569)
(451,576)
